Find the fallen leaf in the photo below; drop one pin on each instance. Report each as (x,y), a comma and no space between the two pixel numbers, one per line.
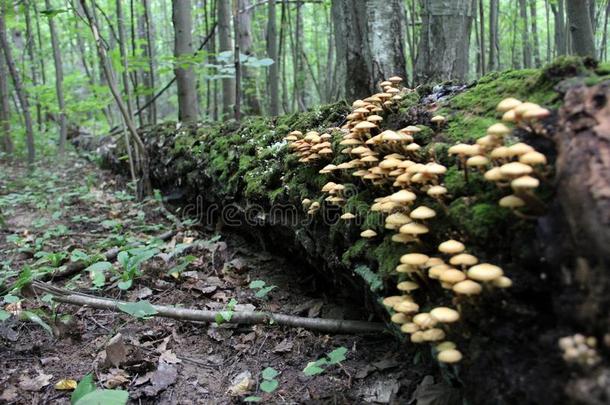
(116,352)
(9,394)
(163,377)
(34,384)
(241,383)
(115,378)
(144,292)
(283,347)
(66,385)
(169,357)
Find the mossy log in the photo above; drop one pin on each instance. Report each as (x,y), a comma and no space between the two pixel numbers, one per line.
(558,261)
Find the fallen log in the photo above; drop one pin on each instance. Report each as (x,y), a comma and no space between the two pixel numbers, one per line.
(243,177)
(339,326)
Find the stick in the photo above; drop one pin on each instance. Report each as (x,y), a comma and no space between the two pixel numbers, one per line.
(245,317)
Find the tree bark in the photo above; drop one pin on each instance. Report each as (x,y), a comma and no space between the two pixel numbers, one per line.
(494,39)
(535,39)
(560,32)
(225,45)
(583,43)
(183,48)
(59,81)
(18,85)
(237,62)
(248,76)
(30,45)
(273,74)
(445,41)
(525,37)
(5,114)
(149,77)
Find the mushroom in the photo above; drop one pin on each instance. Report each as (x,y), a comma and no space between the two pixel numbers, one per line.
(484,272)
(424,320)
(446,345)
(434,335)
(422,213)
(445,314)
(407,286)
(438,120)
(369,233)
(451,247)
(400,318)
(467,287)
(450,356)
(347,216)
(409,328)
(508,104)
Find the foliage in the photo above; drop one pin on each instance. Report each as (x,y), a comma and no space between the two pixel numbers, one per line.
(321,365)
(86,393)
(262,288)
(140,309)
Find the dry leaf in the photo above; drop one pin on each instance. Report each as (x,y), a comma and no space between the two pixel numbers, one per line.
(115,378)
(65,385)
(241,384)
(169,357)
(34,384)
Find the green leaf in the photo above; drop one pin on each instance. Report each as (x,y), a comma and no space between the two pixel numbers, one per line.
(37,320)
(97,271)
(269,385)
(104,397)
(270,373)
(337,355)
(79,255)
(140,309)
(84,387)
(4,315)
(264,291)
(312,369)
(253,399)
(257,284)
(11,299)
(125,285)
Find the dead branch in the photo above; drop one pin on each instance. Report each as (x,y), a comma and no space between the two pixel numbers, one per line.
(196,315)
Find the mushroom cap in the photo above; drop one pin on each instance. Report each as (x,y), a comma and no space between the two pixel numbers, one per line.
(365,125)
(515,169)
(407,286)
(508,104)
(405,268)
(445,314)
(434,168)
(450,356)
(417,337)
(296,133)
(400,318)
(424,320)
(502,282)
(409,328)
(436,191)
(524,182)
(477,161)
(369,233)
(511,201)
(422,212)
(329,168)
(452,276)
(374,118)
(403,197)
(464,149)
(389,164)
(519,149)
(401,238)
(395,79)
(438,119)
(328,186)
(290,138)
(406,307)
(414,259)
(398,219)
(435,272)
(395,299)
(306,202)
(533,158)
(413,228)
(509,116)
(411,129)
(524,107)
(446,345)
(498,130)
(433,261)
(501,152)
(485,272)
(434,335)
(451,247)
(536,113)
(494,174)
(463,259)
(348,215)
(467,287)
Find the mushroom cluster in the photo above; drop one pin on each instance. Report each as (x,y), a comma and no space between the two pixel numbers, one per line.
(407,177)
(517,166)
(580,349)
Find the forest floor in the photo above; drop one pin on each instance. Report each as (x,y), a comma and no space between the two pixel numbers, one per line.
(73,211)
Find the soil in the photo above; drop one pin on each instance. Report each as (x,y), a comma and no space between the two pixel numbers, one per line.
(161,360)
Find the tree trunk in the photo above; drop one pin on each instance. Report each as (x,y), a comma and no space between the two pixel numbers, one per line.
(183,48)
(525,37)
(144,187)
(273,76)
(248,76)
(482,33)
(18,85)
(560,32)
(583,43)
(445,41)
(225,45)
(603,51)
(494,40)
(59,81)
(535,39)
(237,62)
(5,114)
(30,45)
(149,77)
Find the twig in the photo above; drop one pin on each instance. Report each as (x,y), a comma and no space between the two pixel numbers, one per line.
(242,317)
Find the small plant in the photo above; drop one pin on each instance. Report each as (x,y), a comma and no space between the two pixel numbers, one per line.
(227,314)
(141,309)
(54,259)
(268,385)
(131,260)
(262,287)
(86,393)
(320,365)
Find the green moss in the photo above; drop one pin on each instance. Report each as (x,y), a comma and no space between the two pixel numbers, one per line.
(479,221)
(356,251)
(424,136)
(408,101)
(388,254)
